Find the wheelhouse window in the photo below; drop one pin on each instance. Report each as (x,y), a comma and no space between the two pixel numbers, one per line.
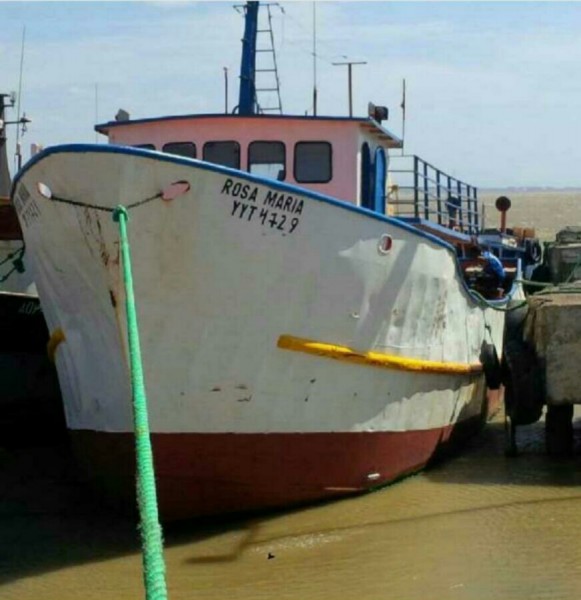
(267,159)
(187,149)
(226,154)
(145,146)
(313,162)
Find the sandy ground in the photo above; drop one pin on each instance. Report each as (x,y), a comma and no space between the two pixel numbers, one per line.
(546,211)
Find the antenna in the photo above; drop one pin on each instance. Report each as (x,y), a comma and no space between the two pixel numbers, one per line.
(403,118)
(19,116)
(226,90)
(350,81)
(314,59)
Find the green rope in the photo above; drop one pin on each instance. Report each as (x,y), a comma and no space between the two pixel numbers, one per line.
(485,303)
(560,289)
(17,253)
(532,283)
(549,287)
(151,536)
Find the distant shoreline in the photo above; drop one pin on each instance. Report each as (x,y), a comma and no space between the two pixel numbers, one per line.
(490,190)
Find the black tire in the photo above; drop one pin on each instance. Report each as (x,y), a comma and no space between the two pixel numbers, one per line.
(534,251)
(510,447)
(523,384)
(491,366)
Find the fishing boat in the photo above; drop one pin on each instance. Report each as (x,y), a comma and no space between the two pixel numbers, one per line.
(15,278)
(30,404)
(302,338)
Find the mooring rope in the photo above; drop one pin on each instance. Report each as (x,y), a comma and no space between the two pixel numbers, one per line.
(104,208)
(565,287)
(150,528)
(485,303)
(17,263)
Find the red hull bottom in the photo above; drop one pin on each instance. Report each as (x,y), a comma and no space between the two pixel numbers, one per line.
(202,474)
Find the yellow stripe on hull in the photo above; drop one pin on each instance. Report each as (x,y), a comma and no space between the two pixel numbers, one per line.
(56,339)
(376,359)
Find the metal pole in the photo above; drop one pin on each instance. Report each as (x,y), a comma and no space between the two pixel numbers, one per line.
(439,197)
(450,206)
(19,99)
(247,94)
(426,193)
(314,59)
(416,190)
(349,83)
(460,211)
(96,110)
(226,90)
(469,205)
(5,180)
(403,120)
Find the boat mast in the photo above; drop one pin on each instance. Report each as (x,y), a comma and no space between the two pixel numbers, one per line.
(8,101)
(19,97)
(247,99)
(4,172)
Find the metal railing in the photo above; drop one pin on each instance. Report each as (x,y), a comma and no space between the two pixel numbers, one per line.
(418,189)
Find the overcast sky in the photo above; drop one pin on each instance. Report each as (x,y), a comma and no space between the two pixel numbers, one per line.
(493,88)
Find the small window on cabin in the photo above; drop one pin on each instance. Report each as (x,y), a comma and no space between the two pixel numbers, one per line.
(267,159)
(313,162)
(145,146)
(226,154)
(180,149)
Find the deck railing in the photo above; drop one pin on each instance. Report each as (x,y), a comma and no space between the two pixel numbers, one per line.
(419,190)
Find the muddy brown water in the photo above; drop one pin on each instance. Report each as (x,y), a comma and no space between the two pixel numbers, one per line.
(478,525)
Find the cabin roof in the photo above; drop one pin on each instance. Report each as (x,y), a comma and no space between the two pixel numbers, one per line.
(367,123)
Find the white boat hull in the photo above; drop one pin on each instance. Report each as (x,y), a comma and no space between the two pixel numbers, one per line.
(222,274)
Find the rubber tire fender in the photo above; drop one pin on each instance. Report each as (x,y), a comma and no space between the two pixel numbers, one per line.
(524,395)
(491,366)
(534,251)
